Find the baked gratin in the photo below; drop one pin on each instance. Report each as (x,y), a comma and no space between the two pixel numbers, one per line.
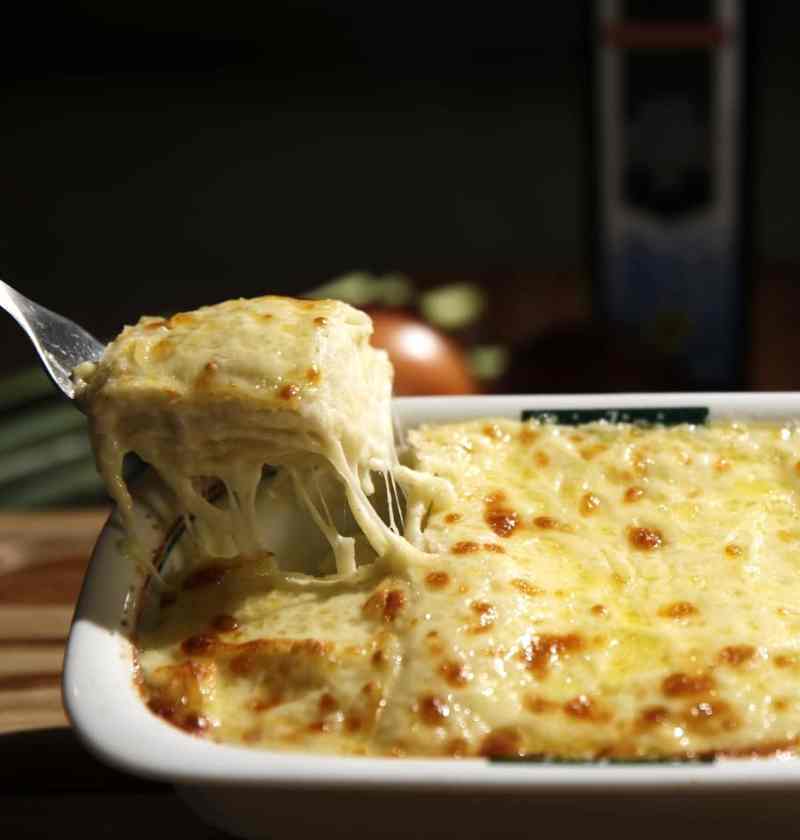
(219,393)
(606,590)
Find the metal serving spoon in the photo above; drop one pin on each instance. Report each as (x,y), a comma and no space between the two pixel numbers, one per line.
(60,343)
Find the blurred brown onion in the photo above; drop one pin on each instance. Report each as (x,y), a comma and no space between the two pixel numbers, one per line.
(425,360)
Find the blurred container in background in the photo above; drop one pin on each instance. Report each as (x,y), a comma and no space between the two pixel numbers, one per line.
(672,230)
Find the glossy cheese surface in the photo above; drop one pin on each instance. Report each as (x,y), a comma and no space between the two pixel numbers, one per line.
(592,591)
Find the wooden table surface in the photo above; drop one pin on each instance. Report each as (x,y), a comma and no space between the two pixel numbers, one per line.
(50,785)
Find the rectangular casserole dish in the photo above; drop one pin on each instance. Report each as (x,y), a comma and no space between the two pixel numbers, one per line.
(254,793)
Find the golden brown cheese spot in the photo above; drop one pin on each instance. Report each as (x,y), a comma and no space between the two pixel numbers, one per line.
(495,498)
(733,550)
(679,609)
(353,723)
(589,504)
(437,580)
(539,706)
(207,576)
(645,539)
(205,378)
(542,459)
(433,710)
(175,696)
(378,659)
(680,684)
(155,325)
(633,494)
(652,716)
(320,321)
(619,476)
(584,708)
(313,375)
(590,452)
(252,735)
(599,610)
(465,547)
(456,673)
(195,723)
(550,523)
(641,463)
(487,616)
(385,604)
(452,518)
(434,643)
(289,391)
(502,521)
(244,664)
(527,435)
(722,465)
(709,717)
(327,704)
(498,516)
(502,742)
(203,644)
(785,661)
(543,651)
(181,319)
(456,748)
(163,350)
(494,548)
(526,587)
(736,655)
(224,624)
(280,654)
(394,603)
(492,430)
(264,704)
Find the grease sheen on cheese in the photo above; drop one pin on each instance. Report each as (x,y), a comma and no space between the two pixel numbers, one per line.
(593,591)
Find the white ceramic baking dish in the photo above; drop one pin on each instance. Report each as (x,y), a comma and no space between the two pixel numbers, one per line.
(254,793)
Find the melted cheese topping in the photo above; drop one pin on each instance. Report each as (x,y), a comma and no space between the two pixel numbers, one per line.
(593,591)
(216,394)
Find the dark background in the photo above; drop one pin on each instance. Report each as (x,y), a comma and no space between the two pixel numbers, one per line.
(155,156)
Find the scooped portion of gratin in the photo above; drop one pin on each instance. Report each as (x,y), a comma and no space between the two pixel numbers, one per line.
(605,590)
(212,397)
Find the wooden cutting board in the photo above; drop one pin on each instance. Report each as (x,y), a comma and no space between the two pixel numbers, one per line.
(43,557)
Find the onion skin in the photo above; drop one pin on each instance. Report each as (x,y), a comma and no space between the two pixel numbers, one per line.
(426,361)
